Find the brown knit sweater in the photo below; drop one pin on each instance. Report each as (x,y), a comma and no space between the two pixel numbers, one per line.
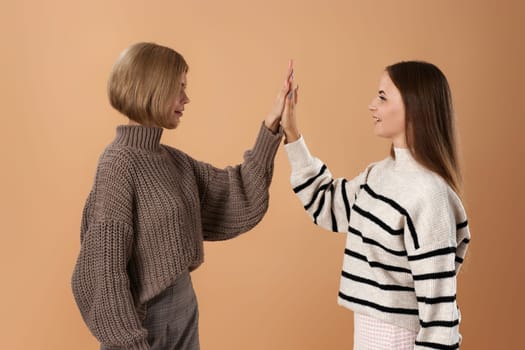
(145,219)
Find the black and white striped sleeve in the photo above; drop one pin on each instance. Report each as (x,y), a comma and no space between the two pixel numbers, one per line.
(436,234)
(326,200)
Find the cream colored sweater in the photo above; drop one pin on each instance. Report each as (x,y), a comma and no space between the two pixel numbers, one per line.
(407,236)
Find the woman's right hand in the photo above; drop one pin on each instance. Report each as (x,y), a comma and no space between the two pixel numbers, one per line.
(288,120)
(273,119)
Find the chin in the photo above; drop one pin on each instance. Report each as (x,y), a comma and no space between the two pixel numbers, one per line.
(173,124)
(382,135)
(378,133)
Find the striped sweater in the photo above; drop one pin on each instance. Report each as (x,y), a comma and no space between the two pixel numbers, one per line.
(407,238)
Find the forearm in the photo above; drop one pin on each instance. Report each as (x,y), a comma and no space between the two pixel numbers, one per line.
(327,200)
(236,198)
(291,134)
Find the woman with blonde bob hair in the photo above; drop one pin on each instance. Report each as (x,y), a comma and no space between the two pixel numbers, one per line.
(152,205)
(407,231)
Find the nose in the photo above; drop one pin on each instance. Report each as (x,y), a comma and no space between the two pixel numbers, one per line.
(185,99)
(372,107)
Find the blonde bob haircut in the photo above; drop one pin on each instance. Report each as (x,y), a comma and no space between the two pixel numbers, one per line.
(144,81)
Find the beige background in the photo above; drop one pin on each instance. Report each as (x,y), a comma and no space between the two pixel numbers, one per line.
(275,287)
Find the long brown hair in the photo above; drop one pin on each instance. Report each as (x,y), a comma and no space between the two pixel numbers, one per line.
(430,125)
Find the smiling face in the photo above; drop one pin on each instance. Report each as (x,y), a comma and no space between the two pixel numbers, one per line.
(177,106)
(388,112)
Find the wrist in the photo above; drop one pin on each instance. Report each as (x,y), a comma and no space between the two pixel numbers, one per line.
(272,124)
(291,135)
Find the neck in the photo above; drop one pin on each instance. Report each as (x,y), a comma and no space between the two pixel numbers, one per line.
(400,142)
(134,123)
(138,136)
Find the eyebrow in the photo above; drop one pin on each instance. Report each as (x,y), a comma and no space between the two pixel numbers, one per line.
(381,92)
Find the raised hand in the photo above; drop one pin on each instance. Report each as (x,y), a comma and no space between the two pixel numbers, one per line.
(288,120)
(274,117)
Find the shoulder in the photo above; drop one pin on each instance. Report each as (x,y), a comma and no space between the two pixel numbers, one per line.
(434,207)
(122,155)
(114,186)
(378,170)
(175,152)
(180,157)
(427,187)
(381,164)
(116,163)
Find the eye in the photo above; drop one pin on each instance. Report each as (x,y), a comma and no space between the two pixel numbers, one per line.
(382,98)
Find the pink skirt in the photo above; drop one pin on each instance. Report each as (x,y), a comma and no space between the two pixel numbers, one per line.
(374,334)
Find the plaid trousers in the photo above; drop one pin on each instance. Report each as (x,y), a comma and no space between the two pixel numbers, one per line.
(374,334)
(172,318)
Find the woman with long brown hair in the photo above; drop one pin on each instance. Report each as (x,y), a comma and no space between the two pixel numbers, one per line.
(407,228)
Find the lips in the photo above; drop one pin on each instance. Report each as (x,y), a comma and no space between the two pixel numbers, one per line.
(376,119)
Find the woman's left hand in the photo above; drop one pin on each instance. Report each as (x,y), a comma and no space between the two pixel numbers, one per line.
(274,117)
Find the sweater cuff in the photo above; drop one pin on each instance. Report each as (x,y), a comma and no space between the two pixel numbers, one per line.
(298,154)
(266,145)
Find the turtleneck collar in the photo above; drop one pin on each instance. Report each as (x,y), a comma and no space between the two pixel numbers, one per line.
(402,154)
(404,159)
(138,136)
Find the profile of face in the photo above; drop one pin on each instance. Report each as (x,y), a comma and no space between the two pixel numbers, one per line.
(388,112)
(176,109)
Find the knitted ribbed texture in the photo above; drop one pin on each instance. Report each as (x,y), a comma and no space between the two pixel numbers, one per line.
(145,219)
(407,238)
